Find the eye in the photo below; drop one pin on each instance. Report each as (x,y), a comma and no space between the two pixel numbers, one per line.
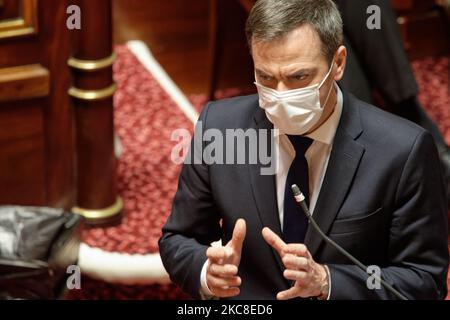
(300,77)
(265,77)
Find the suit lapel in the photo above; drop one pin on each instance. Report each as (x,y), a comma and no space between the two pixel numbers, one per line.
(342,166)
(264,188)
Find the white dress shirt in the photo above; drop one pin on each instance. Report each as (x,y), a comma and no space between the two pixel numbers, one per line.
(317,155)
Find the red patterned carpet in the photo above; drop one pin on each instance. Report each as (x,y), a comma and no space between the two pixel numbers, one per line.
(145,118)
(433,77)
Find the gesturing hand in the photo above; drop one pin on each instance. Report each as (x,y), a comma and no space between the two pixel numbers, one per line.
(221,274)
(310,277)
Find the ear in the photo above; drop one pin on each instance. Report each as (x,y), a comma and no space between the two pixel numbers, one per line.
(340,62)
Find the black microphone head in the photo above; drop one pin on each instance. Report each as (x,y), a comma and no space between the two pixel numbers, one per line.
(296,190)
(298,195)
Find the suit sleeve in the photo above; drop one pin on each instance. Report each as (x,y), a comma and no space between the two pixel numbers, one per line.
(418,250)
(193,223)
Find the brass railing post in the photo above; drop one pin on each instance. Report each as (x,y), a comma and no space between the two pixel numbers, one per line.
(92,92)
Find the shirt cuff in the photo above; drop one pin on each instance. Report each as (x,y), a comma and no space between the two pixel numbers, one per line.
(205,292)
(329,281)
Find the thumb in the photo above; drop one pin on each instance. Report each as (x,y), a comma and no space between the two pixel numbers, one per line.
(239,232)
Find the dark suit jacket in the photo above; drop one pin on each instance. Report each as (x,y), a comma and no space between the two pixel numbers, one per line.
(382,199)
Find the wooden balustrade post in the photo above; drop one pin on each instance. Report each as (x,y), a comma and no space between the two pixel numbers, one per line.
(92,92)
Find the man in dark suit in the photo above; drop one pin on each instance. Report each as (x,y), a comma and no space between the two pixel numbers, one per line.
(377,60)
(372,180)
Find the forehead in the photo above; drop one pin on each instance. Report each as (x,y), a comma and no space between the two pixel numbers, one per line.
(300,46)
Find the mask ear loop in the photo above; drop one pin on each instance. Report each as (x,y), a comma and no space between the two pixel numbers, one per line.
(328,74)
(323,81)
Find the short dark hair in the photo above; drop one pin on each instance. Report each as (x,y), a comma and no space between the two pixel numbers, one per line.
(272,19)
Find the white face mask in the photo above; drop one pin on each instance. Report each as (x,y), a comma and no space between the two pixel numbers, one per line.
(293,112)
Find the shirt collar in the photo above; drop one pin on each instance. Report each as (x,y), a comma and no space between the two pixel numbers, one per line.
(326,132)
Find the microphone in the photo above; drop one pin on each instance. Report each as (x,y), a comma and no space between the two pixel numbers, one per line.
(300,199)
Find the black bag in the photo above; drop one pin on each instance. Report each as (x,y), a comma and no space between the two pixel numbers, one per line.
(36,247)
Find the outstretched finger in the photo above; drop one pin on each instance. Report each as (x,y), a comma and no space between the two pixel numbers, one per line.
(239,232)
(274,241)
(288,294)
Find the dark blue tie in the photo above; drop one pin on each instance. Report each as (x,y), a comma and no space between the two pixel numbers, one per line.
(295,222)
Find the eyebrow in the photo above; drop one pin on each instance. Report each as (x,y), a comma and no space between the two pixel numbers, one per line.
(302,72)
(263,72)
(299,72)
